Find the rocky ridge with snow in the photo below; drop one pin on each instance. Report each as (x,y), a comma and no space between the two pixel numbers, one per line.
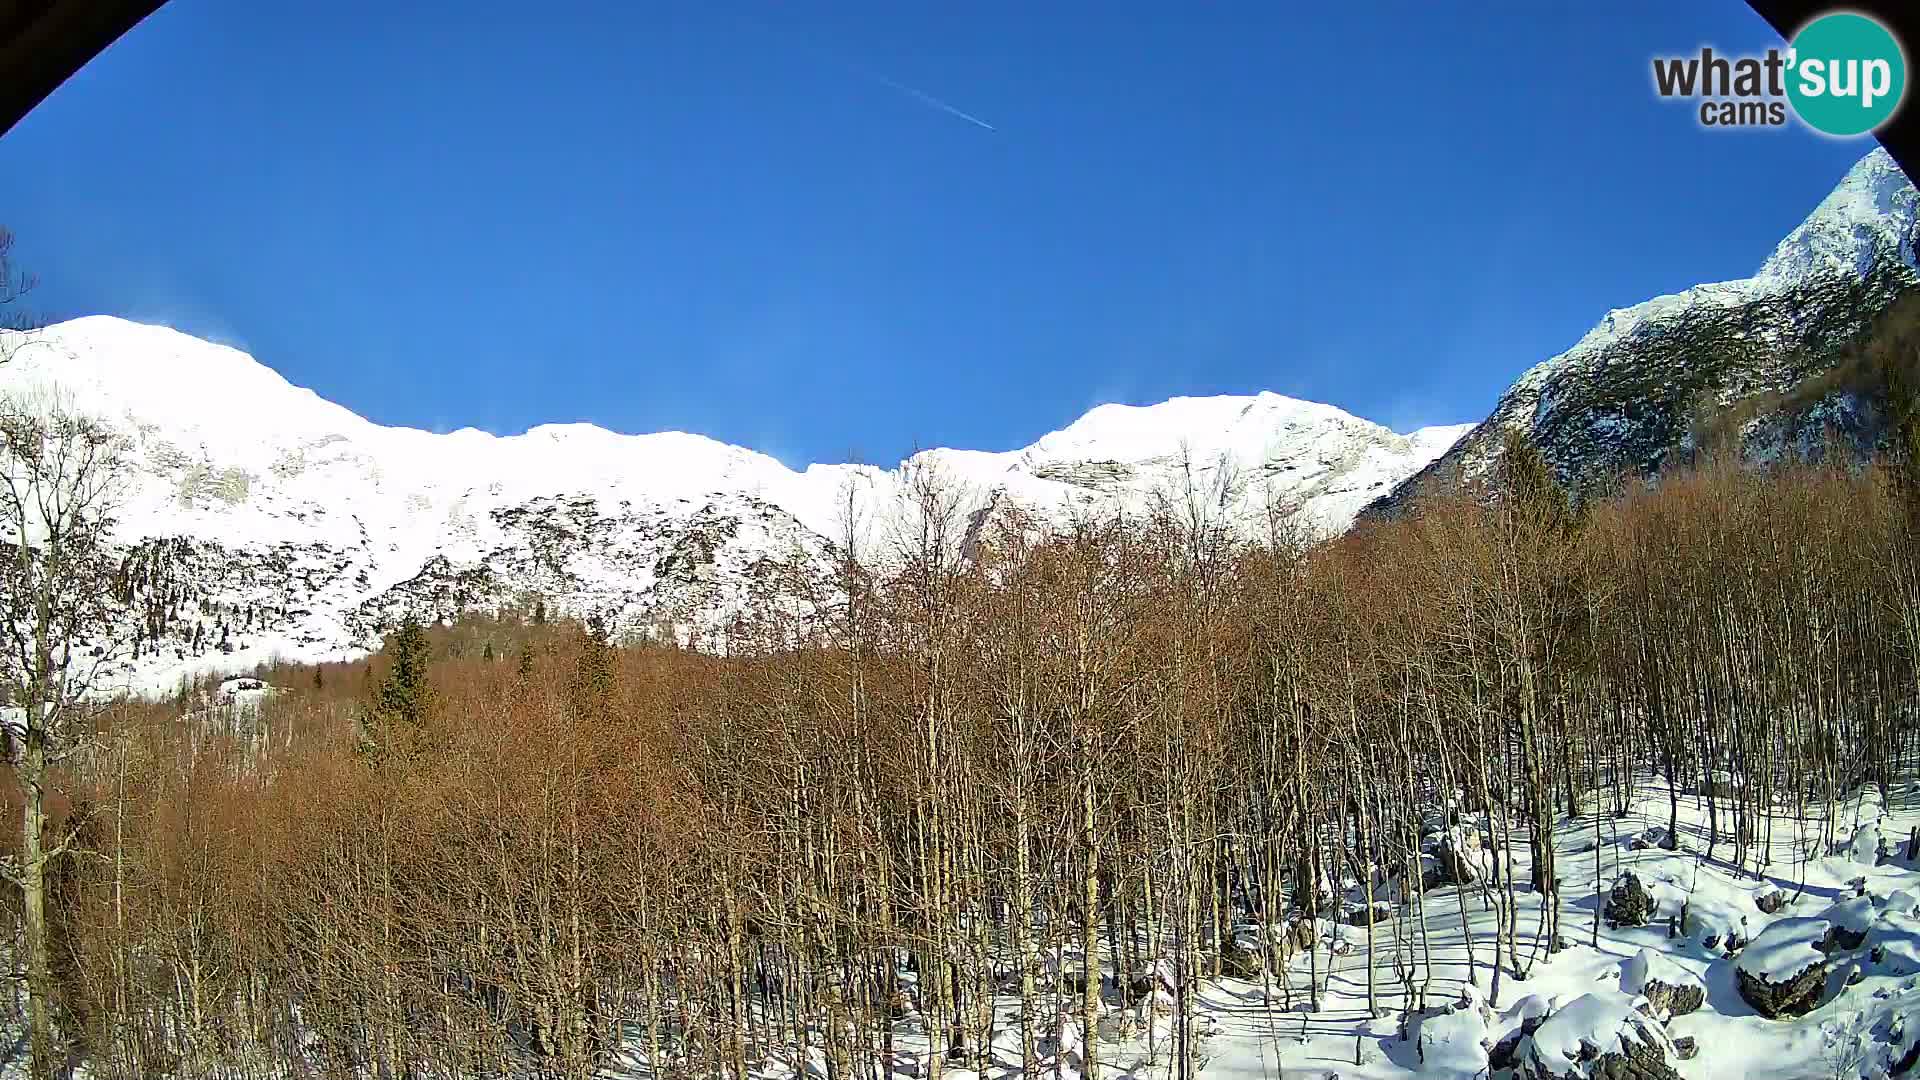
(1627,397)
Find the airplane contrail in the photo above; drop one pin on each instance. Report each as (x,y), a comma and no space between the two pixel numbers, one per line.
(822,55)
(929,99)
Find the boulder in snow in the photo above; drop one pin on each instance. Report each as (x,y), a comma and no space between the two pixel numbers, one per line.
(1452,1040)
(1655,837)
(1722,784)
(1629,903)
(1366,915)
(1866,848)
(1851,920)
(1783,972)
(1670,989)
(1599,1035)
(1240,962)
(1457,857)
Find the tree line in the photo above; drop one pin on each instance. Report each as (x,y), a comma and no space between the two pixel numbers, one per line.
(1080,767)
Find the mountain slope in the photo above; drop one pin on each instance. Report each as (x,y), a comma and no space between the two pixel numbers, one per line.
(262,519)
(1625,398)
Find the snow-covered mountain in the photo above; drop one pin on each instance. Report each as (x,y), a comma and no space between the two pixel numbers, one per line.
(1627,397)
(263,519)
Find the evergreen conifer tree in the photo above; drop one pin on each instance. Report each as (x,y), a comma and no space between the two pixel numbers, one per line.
(404,696)
(1530,484)
(593,675)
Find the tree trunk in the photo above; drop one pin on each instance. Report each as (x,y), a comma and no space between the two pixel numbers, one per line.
(33,898)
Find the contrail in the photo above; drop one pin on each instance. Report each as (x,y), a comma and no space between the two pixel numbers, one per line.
(929,99)
(826,57)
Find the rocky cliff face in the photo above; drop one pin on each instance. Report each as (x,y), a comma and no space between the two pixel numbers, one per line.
(1633,395)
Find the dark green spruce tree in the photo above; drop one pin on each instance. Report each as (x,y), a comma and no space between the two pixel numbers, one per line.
(401,702)
(593,673)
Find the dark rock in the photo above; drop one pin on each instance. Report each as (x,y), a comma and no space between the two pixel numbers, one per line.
(1303,934)
(1674,1000)
(1629,904)
(1363,915)
(1797,996)
(1505,1053)
(1771,901)
(1685,1047)
(1655,837)
(1642,1054)
(1240,963)
(1456,856)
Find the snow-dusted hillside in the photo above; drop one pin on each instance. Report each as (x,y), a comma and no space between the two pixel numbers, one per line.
(267,520)
(1625,397)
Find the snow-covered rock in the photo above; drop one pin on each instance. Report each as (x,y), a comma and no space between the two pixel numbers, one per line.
(1783,971)
(1669,988)
(1452,1041)
(1851,919)
(1601,1034)
(1629,902)
(1866,845)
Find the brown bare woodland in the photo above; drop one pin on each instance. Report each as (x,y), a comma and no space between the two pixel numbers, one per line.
(1029,776)
(1072,756)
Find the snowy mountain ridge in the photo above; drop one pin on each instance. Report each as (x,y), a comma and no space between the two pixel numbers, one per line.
(1622,399)
(267,520)
(263,520)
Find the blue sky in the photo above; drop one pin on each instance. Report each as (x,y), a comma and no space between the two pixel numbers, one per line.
(737,219)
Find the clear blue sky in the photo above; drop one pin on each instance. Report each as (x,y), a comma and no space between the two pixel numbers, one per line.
(735,218)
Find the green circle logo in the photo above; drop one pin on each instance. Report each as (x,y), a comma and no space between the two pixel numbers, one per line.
(1847,74)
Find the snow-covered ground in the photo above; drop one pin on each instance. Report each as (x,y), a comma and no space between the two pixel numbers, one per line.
(1582,1001)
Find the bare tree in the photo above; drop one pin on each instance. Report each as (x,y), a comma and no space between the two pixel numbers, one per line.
(59,475)
(15,320)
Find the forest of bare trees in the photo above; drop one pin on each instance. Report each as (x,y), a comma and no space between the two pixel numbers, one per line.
(1032,781)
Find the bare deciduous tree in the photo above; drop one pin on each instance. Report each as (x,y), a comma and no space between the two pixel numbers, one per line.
(60,474)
